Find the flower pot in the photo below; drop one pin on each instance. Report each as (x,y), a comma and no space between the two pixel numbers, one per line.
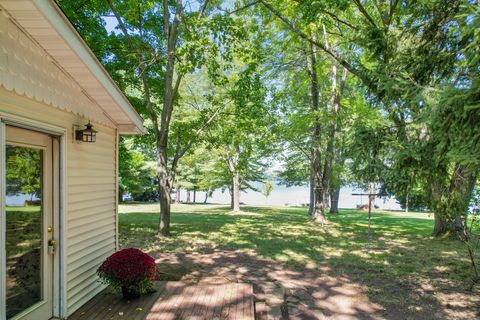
(129,294)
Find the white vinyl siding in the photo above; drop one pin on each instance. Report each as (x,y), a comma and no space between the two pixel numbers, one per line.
(46,60)
(90,192)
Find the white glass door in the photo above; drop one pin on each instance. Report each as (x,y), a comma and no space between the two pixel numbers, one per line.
(29,242)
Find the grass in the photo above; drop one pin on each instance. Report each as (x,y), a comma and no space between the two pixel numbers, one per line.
(401,244)
(23,245)
(23,226)
(403,254)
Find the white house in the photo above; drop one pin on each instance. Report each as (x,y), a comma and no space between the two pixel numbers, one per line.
(51,86)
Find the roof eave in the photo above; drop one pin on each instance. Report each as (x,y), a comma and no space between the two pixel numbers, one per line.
(64,27)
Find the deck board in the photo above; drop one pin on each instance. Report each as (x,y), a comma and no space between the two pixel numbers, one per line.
(175,300)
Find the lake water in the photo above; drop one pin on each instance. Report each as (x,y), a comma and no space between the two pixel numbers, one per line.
(280,196)
(283,196)
(19,200)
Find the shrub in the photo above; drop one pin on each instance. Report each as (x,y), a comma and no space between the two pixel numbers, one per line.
(130,269)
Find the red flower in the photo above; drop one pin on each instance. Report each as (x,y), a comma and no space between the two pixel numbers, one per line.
(130,268)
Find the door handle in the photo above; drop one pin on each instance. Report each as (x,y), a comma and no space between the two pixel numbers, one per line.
(52,244)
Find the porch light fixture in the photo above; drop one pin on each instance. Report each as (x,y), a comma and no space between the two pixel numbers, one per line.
(87,134)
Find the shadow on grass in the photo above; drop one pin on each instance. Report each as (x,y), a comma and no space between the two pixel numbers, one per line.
(402,271)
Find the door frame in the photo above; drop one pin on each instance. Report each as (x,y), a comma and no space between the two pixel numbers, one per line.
(59,207)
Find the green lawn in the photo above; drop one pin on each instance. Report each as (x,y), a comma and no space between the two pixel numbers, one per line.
(403,258)
(401,244)
(23,226)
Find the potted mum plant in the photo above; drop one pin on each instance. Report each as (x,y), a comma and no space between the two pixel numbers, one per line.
(131,270)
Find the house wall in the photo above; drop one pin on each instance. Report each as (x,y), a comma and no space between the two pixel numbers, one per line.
(90,194)
(27,69)
(33,86)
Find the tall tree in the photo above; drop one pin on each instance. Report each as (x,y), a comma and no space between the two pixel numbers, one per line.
(242,133)
(150,62)
(403,53)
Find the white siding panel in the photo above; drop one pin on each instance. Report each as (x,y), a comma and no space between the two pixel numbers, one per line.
(90,194)
(81,269)
(39,36)
(78,190)
(87,196)
(99,222)
(27,63)
(90,218)
(91,230)
(92,291)
(85,206)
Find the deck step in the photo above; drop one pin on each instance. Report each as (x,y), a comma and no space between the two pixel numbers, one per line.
(175,300)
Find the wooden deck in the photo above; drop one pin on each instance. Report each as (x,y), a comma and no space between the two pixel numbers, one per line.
(175,301)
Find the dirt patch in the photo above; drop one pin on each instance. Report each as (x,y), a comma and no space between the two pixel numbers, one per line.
(313,293)
(287,293)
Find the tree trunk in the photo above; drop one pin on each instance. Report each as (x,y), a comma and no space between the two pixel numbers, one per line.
(161,134)
(329,154)
(194,195)
(163,193)
(319,191)
(447,226)
(120,195)
(326,198)
(235,192)
(319,206)
(164,225)
(188,196)
(334,197)
(335,109)
(206,197)
(178,197)
(451,206)
(170,91)
(232,156)
(406,203)
(316,151)
(311,204)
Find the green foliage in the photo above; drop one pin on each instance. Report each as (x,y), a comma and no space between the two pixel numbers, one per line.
(409,108)
(267,188)
(24,167)
(136,175)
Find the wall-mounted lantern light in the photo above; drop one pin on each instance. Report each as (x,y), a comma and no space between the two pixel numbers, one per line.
(87,134)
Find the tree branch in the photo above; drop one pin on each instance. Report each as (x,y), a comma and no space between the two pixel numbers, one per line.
(200,130)
(364,12)
(141,66)
(166,18)
(176,87)
(333,54)
(248,5)
(180,76)
(123,28)
(336,18)
(202,11)
(300,148)
(393,7)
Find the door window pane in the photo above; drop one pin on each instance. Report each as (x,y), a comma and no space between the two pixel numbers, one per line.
(24,228)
